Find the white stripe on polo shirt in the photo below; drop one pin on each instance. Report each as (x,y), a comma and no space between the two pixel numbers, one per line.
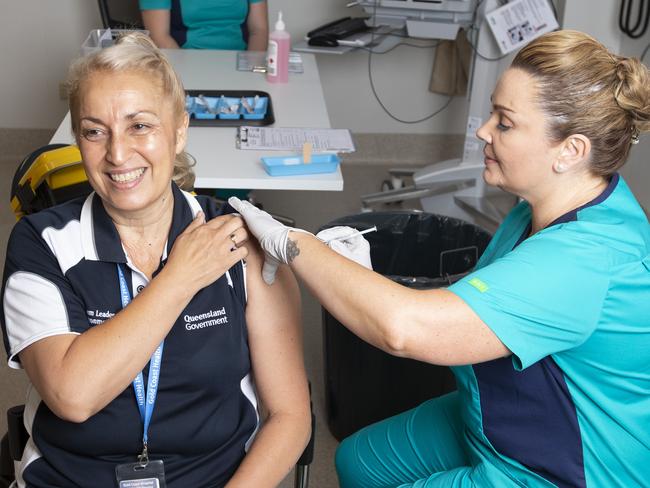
(64,244)
(25,291)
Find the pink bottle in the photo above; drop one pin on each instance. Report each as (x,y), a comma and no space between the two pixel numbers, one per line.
(277,57)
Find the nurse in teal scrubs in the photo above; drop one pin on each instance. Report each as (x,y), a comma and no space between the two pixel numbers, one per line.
(549,336)
(207,24)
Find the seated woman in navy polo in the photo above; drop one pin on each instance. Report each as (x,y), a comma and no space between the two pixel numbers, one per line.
(139,312)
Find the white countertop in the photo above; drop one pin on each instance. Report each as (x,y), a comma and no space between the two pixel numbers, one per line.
(298,103)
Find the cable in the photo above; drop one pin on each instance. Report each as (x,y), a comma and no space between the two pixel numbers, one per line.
(372,83)
(473,27)
(478,53)
(624,22)
(407,44)
(645,51)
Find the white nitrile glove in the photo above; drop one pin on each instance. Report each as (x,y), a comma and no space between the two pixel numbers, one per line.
(271,234)
(356,247)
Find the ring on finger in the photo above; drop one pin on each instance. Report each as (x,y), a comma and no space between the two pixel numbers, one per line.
(234,242)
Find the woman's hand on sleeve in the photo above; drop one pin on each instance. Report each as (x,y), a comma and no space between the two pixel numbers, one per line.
(273,316)
(206,250)
(158,23)
(78,375)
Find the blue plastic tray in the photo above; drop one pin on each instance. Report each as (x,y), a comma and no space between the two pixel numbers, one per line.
(212,116)
(294,165)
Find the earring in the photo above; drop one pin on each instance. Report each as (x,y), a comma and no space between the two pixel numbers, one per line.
(559,167)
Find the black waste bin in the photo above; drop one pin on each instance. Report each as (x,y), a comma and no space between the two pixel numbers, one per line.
(420,250)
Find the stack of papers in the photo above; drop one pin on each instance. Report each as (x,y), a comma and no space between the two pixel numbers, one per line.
(256,61)
(293,138)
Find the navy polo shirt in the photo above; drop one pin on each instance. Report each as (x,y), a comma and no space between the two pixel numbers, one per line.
(61,278)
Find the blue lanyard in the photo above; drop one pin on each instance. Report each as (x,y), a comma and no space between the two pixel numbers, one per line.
(145,405)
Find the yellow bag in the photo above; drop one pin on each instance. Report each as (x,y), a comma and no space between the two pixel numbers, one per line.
(48,176)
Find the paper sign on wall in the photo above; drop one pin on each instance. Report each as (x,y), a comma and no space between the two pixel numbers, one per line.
(519,22)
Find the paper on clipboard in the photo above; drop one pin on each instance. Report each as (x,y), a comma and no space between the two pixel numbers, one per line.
(293,138)
(519,22)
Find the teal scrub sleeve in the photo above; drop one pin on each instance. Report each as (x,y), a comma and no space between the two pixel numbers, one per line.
(155,4)
(543,297)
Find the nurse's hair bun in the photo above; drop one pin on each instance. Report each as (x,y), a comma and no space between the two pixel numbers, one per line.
(632,91)
(583,88)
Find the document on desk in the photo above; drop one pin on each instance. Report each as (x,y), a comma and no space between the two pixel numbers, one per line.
(293,138)
(256,61)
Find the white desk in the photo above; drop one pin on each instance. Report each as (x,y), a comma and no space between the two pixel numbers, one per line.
(219,164)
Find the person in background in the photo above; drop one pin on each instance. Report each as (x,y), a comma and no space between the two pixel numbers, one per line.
(207,24)
(549,336)
(141,269)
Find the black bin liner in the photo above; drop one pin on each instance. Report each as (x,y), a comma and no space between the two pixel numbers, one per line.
(416,249)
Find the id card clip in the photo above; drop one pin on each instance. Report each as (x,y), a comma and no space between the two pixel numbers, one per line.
(139,475)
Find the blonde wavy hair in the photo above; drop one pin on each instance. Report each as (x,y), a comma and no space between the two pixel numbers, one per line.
(134,52)
(585,89)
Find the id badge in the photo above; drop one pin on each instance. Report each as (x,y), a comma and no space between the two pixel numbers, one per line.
(138,475)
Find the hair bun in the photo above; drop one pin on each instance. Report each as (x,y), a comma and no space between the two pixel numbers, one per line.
(632,91)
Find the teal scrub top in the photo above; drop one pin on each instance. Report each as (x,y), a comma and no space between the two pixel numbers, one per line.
(571,406)
(205,24)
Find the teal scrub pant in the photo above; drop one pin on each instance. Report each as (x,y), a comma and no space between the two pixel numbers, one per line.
(422,448)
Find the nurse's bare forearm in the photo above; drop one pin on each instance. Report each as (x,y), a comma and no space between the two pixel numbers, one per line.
(435,326)
(364,301)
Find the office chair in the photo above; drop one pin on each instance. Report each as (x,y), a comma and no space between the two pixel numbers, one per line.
(120,14)
(48,176)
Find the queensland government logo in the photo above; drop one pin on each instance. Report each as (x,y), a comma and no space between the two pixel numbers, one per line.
(208,319)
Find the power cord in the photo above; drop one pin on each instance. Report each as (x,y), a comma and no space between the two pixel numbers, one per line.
(474,28)
(645,51)
(473,31)
(372,83)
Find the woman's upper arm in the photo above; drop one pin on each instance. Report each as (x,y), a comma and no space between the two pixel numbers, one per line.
(158,23)
(258,26)
(273,316)
(41,313)
(42,362)
(445,330)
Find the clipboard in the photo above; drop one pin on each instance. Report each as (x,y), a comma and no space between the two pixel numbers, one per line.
(293,138)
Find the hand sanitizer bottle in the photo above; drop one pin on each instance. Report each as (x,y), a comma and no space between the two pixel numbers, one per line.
(277,57)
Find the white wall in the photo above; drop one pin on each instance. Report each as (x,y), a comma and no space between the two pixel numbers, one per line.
(39,38)
(602,23)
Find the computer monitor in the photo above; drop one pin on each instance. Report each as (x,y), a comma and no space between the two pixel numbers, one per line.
(433,19)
